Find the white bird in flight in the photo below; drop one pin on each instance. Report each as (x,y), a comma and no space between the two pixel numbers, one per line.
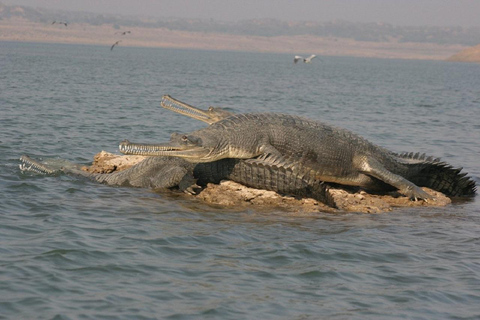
(306,60)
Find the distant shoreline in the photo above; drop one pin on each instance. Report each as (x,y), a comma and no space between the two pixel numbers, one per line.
(22,30)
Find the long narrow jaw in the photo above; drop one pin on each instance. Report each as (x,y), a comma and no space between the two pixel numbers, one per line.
(183,108)
(190,153)
(29,164)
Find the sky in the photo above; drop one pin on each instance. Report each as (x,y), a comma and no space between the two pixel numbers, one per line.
(465,13)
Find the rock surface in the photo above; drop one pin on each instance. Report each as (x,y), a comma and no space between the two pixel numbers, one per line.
(106,162)
(232,194)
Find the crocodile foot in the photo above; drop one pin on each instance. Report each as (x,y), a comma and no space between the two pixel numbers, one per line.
(415,193)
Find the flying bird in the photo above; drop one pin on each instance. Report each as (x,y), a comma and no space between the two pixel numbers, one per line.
(111,48)
(305,60)
(60,22)
(123,33)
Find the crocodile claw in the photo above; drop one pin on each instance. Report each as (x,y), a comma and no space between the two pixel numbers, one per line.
(415,194)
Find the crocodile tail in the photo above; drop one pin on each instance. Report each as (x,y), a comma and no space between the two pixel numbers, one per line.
(307,185)
(270,174)
(440,176)
(320,191)
(417,157)
(298,183)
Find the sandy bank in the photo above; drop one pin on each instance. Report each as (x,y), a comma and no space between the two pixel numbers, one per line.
(18,29)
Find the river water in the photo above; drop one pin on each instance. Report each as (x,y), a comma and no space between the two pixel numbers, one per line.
(74,249)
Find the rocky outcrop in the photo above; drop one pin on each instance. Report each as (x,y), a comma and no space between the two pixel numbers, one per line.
(105,162)
(232,194)
(468,55)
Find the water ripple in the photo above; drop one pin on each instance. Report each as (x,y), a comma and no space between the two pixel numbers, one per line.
(74,249)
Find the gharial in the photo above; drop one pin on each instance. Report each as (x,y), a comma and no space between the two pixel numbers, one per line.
(162,172)
(307,147)
(159,173)
(167,172)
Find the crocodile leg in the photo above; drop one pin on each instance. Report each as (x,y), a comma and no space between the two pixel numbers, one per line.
(372,167)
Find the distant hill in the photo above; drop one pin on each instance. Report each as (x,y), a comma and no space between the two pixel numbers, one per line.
(370,32)
(468,55)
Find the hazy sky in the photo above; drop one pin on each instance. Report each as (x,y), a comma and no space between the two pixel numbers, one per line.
(464,13)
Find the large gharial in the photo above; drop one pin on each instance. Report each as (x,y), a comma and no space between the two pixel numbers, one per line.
(166,172)
(314,149)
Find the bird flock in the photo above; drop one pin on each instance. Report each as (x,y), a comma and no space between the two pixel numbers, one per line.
(123,33)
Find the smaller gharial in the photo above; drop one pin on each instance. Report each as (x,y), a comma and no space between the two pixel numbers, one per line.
(159,173)
(307,147)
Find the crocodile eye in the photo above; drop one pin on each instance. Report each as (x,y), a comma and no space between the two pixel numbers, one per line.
(184,138)
(210,108)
